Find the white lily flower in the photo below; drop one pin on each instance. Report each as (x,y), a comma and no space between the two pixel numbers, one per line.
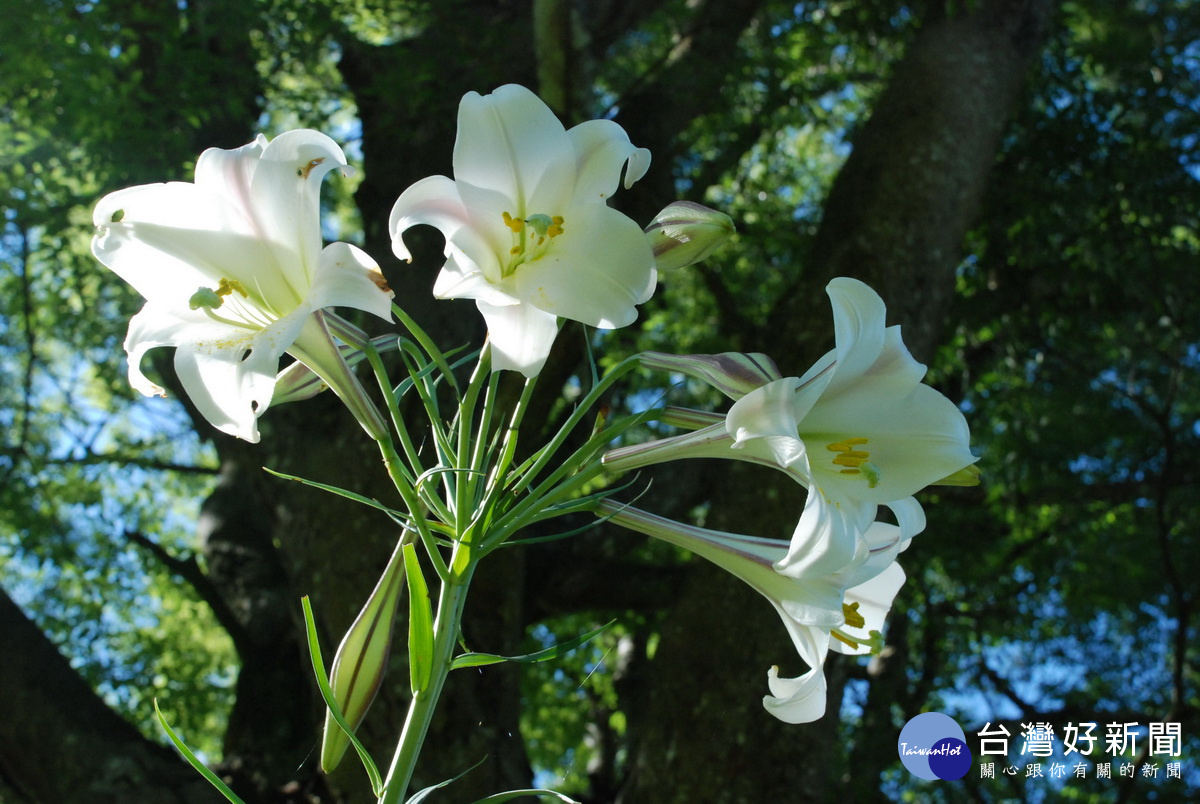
(858,430)
(848,605)
(234,275)
(529,234)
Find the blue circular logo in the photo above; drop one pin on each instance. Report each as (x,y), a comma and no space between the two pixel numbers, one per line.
(932,746)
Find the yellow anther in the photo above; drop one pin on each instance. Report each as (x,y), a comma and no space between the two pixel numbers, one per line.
(853,618)
(515,250)
(556,226)
(516,224)
(857,461)
(228,286)
(304,171)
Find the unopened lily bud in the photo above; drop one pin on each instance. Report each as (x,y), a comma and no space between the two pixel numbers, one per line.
(298,382)
(295,383)
(732,373)
(361,660)
(685,233)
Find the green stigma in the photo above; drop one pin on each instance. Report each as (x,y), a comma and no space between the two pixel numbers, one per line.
(212,299)
(205,297)
(531,237)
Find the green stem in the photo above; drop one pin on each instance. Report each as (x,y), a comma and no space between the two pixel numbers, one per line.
(543,456)
(451,601)
(466,482)
(431,348)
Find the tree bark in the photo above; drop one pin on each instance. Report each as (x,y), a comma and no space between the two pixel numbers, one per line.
(60,742)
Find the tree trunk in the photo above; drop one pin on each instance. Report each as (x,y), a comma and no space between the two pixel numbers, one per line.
(60,742)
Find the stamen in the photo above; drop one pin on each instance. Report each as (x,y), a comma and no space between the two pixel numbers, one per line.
(873,642)
(227,286)
(516,224)
(845,640)
(856,461)
(853,618)
(531,237)
(307,169)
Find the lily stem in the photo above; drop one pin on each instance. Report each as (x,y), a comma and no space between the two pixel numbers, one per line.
(452,599)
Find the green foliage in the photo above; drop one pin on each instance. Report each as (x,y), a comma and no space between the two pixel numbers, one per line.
(572,712)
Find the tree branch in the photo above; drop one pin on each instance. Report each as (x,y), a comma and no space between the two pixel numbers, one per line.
(60,742)
(189,570)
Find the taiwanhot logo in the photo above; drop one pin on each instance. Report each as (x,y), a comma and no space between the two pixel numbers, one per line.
(933,746)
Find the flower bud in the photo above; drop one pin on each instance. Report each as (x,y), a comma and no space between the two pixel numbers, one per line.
(685,233)
(361,660)
(732,373)
(295,383)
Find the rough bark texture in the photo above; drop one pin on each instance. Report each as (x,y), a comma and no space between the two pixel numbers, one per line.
(60,742)
(900,207)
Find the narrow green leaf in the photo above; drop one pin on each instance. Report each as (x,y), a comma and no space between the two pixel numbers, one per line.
(314,652)
(212,778)
(421,795)
(350,495)
(511,794)
(420,623)
(552,652)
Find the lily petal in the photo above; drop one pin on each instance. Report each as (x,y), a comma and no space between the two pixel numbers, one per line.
(510,142)
(770,413)
(858,323)
(827,538)
(797,700)
(231,379)
(520,335)
(173,238)
(602,148)
(346,276)
(597,276)
(435,201)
